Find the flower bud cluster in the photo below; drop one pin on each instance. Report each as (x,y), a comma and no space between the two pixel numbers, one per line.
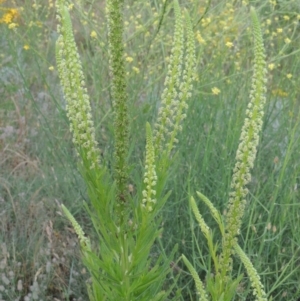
(150,177)
(247,148)
(178,85)
(72,81)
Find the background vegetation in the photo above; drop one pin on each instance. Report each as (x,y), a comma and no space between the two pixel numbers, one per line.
(39,257)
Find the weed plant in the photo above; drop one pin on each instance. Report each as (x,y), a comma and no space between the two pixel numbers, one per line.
(37,163)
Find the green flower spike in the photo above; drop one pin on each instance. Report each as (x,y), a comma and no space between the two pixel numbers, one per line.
(83,240)
(203,226)
(120,98)
(186,85)
(150,177)
(258,288)
(199,284)
(72,81)
(169,98)
(178,85)
(247,148)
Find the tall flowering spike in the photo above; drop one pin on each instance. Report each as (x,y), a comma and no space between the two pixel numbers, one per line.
(258,288)
(186,84)
(199,284)
(83,240)
(150,177)
(178,84)
(120,98)
(247,148)
(72,81)
(169,98)
(203,226)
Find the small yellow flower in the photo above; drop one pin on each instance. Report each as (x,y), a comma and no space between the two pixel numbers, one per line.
(26,47)
(279,30)
(200,38)
(289,75)
(279,92)
(215,91)
(268,22)
(287,41)
(12,25)
(51,68)
(6,18)
(10,15)
(129,59)
(286,17)
(229,44)
(93,34)
(271,66)
(136,70)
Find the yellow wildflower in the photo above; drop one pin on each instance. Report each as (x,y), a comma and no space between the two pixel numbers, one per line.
(7,18)
(287,41)
(279,30)
(51,68)
(93,34)
(229,44)
(286,17)
(129,59)
(279,92)
(289,75)
(271,66)
(12,25)
(200,38)
(10,15)
(26,47)
(136,70)
(215,91)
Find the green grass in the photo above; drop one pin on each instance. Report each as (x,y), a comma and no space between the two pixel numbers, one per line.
(38,162)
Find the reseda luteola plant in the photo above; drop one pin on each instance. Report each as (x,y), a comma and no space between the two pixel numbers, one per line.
(119,260)
(221,286)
